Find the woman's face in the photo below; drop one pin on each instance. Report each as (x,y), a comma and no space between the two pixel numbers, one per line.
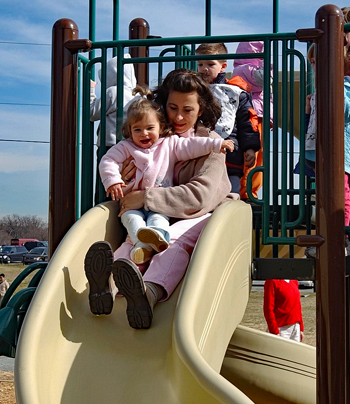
(182,110)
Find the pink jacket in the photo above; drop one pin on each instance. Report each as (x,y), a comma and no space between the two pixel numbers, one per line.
(251,71)
(155,166)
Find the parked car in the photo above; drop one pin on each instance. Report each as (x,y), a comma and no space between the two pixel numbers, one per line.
(306,284)
(37,254)
(29,245)
(12,253)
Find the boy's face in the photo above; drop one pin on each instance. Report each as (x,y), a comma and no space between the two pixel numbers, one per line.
(209,69)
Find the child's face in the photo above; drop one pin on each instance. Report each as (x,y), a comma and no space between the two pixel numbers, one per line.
(146,132)
(182,110)
(209,69)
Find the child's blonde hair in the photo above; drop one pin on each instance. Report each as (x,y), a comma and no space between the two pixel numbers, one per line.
(140,108)
(311,53)
(212,49)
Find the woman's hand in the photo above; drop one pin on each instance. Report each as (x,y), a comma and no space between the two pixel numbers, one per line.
(133,200)
(128,170)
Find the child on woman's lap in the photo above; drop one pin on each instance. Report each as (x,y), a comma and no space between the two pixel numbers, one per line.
(149,139)
(200,186)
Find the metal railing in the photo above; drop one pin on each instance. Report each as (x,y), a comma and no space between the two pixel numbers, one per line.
(281,196)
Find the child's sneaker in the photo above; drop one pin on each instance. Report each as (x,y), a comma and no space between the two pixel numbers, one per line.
(152,237)
(141,253)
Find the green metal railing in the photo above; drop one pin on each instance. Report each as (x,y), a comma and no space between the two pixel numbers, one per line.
(281,209)
(281,215)
(14,307)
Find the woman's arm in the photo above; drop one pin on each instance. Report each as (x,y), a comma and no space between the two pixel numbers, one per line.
(204,185)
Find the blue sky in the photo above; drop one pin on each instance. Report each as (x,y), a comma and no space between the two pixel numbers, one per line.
(25,68)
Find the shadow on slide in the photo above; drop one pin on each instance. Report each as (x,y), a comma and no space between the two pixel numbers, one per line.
(67,355)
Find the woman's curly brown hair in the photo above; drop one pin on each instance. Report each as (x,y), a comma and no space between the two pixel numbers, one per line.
(187,81)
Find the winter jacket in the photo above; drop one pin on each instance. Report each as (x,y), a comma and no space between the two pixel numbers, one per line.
(252,71)
(155,165)
(238,120)
(111,99)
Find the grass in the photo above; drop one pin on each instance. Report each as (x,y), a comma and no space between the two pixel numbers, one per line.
(11,271)
(253,317)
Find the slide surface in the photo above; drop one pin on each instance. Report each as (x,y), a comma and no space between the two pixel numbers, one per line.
(67,355)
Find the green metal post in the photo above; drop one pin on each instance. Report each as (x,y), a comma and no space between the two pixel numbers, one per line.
(284,140)
(207,17)
(87,147)
(77,203)
(275,159)
(120,92)
(115,24)
(102,147)
(92,30)
(275,16)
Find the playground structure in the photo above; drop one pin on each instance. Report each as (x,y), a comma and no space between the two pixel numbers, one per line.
(196,341)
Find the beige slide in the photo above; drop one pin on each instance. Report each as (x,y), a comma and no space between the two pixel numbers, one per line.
(67,355)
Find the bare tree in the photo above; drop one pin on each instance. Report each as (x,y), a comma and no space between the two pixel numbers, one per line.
(16,226)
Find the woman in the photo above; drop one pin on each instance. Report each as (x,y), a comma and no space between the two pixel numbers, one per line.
(202,185)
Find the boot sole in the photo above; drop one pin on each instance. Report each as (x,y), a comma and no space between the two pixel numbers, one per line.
(129,281)
(98,266)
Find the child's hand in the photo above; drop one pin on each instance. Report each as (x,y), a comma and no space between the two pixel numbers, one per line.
(308,104)
(93,84)
(249,158)
(227,144)
(115,191)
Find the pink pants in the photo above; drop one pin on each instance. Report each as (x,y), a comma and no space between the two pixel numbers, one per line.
(347,199)
(168,267)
